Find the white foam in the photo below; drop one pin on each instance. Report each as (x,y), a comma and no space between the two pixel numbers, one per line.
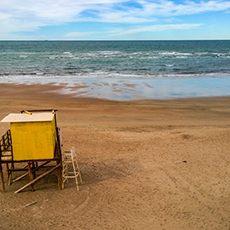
(106,75)
(23,56)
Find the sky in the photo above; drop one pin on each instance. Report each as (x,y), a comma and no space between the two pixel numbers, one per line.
(114,20)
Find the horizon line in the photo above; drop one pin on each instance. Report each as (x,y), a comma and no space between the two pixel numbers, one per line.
(131,40)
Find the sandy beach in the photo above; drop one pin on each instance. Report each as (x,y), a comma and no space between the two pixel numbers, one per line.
(145,164)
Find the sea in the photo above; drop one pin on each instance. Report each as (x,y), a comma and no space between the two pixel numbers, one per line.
(121,70)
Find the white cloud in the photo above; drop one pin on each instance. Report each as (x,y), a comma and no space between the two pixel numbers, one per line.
(154,28)
(169,8)
(80,35)
(119,32)
(29,15)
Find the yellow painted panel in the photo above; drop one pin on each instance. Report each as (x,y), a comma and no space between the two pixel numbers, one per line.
(33,140)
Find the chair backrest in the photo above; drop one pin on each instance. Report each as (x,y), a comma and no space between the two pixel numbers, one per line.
(73,153)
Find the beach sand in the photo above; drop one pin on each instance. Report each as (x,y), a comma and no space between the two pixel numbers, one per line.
(148,164)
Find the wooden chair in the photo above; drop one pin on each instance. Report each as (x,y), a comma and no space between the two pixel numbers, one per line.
(70,167)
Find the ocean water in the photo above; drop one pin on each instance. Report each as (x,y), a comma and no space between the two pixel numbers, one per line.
(156,69)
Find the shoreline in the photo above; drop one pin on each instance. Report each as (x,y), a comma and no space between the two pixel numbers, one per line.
(176,110)
(135,89)
(65,91)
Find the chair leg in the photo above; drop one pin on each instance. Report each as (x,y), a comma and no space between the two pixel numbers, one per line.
(69,158)
(79,173)
(75,174)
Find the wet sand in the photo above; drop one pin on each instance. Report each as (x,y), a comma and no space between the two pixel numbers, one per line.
(146,164)
(133,88)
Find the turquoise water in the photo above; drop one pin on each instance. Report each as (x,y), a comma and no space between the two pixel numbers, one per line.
(159,69)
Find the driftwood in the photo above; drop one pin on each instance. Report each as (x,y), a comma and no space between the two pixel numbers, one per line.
(32,203)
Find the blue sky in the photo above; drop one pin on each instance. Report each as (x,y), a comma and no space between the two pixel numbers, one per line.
(114,19)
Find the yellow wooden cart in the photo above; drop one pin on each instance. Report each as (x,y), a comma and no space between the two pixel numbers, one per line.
(34,138)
